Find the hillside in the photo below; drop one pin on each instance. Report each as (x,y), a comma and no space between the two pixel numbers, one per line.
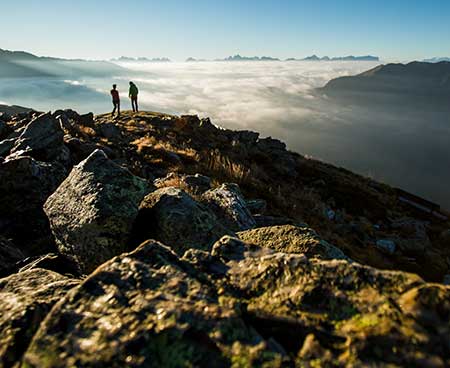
(20,64)
(153,240)
(428,82)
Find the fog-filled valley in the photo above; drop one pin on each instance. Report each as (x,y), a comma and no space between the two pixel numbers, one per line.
(402,144)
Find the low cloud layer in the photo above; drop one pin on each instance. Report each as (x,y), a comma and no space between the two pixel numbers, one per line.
(403,147)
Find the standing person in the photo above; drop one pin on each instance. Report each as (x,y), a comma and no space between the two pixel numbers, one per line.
(133,94)
(115,100)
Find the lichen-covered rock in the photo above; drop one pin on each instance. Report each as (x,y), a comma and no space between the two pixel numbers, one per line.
(173,217)
(147,309)
(229,205)
(92,212)
(42,139)
(292,239)
(335,313)
(25,300)
(9,255)
(25,185)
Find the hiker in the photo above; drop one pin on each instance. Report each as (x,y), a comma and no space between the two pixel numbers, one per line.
(133,94)
(115,100)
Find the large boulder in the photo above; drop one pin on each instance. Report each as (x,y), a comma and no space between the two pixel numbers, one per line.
(92,212)
(173,217)
(147,309)
(292,239)
(229,205)
(42,139)
(25,185)
(25,300)
(336,313)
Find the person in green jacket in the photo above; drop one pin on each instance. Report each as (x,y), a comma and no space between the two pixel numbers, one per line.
(133,94)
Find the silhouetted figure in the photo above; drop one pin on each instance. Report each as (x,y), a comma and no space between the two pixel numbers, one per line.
(115,100)
(133,94)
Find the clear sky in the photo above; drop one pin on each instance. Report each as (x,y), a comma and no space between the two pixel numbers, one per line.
(392,29)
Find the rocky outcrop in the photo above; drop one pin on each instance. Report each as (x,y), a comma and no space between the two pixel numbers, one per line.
(292,239)
(239,282)
(173,217)
(229,205)
(25,185)
(25,300)
(146,309)
(91,214)
(42,139)
(335,312)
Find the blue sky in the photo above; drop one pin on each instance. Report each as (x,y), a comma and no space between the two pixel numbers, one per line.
(395,30)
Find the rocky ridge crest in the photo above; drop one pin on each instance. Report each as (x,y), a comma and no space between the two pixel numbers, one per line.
(155,240)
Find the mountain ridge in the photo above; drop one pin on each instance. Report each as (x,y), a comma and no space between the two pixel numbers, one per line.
(167,241)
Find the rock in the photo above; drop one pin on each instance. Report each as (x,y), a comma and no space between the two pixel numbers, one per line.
(386,246)
(109,130)
(413,239)
(247,136)
(256,206)
(92,212)
(173,217)
(25,185)
(42,139)
(4,129)
(9,255)
(52,262)
(146,309)
(6,146)
(266,221)
(25,300)
(206,125)
(271,145)
(87,119)
(292,239)
(229,205)
(80,150)
(198,183)
(289,297)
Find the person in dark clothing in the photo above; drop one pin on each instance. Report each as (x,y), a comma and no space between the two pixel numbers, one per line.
(133,94)
(115,100)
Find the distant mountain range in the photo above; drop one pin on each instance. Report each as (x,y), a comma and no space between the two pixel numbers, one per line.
(246,58)
(127,59)
(20,64)
(309,58)
(338,58)
(427,83)
(437,60)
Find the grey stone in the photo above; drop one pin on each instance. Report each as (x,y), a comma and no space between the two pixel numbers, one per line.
(92,212)
(386,245)
(42,139)
(229,205)
(25,300)
(173,217)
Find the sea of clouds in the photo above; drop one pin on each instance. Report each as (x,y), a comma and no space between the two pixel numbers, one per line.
(404,148)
